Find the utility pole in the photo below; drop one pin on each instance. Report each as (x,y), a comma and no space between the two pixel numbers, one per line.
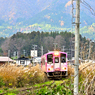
(24,53)
(41,50)
(76,70)
(55,45)
(8,56)
(14,54)
(17,54)
(63,48)
(89,49)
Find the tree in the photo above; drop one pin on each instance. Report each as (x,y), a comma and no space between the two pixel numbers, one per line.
(5,46)
(60,41)
(48,43)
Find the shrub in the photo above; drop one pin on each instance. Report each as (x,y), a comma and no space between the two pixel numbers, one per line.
(14,76)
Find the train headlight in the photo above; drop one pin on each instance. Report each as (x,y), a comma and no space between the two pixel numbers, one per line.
(64,68)
(56,53)
(50,69)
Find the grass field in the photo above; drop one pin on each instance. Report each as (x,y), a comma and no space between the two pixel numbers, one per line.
(32,81)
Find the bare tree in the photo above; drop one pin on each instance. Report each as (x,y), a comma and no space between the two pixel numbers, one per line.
(48,43)
(60,41)
(17,44)
(13,45)
(5,46)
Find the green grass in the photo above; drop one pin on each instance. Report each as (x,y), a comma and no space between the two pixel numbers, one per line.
(40,84)
(54,89)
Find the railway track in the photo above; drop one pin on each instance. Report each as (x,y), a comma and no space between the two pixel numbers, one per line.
(31,90)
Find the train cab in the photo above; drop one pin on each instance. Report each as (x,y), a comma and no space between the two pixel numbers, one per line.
(55,63)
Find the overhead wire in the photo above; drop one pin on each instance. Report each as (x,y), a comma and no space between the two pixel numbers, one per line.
(87,6)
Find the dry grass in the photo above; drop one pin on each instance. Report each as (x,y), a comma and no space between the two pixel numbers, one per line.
(14,76)
(87,74)
(87,70)
(84,69)
(70,70)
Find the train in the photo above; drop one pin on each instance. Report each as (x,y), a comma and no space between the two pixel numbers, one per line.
(54,64)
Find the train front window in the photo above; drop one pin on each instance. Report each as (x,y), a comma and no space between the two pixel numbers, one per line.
(56,59)
(50,58)
(63,58)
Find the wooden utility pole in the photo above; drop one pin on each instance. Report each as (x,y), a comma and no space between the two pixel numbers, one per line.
(76,70)
(8,56)
(55,46)
(41,50)
(63,48)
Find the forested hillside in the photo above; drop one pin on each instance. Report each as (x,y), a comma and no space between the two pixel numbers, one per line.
(42,15)
(88,31)
(24,42)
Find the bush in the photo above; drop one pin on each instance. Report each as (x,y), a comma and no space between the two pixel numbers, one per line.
(14,76)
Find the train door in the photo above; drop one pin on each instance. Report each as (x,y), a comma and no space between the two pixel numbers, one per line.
(57,63)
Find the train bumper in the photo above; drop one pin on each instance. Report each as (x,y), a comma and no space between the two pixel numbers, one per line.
(57,73)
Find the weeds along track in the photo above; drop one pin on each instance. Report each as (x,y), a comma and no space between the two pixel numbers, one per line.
(34,90)
(35,75)
(19,77)
(24,91)
(87,74)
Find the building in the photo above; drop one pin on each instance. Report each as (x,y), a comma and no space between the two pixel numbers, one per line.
(23,61)
(5,60)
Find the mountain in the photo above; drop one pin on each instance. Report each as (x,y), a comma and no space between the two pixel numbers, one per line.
(43,15)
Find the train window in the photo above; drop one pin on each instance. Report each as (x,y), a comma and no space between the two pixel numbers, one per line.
(56,59)
(50,58)
(63,57)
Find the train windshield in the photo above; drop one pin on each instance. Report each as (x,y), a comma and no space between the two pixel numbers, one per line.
(63,57)
(56,59)
(50,58)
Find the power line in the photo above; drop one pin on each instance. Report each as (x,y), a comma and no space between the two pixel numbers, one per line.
(87,6)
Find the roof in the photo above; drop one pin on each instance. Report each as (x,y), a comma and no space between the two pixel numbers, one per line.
(5,59)
(23,58)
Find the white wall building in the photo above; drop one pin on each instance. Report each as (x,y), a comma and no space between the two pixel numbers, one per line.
(23,61)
